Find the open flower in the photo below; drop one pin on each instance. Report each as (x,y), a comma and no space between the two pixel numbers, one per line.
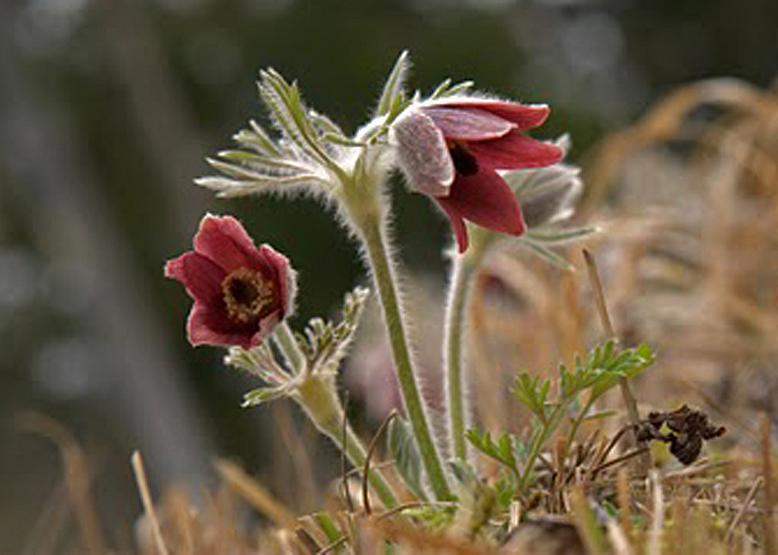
(451,148)
(240,291)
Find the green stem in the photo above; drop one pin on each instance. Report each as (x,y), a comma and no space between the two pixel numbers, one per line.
(372,233)
(318,399)
(537,445)
(289,347)
(462,270)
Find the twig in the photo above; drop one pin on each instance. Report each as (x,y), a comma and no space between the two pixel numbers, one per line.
(148,504)
(412,505)
(611,444)
(344,442)
(743,509)
(618,538)
(625,506)
(370,450)
(692,470)
(253,492)
(658,518)
(626,393)
(617,460)
(769,493)
(334,545)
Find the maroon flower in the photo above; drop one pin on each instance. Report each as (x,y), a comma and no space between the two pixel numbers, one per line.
(240,291)
(449,149)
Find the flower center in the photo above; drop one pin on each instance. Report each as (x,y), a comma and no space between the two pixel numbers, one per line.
(246,294)
(464,161)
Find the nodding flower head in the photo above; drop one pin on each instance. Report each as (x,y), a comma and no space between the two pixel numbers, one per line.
(450,149)
(240,292)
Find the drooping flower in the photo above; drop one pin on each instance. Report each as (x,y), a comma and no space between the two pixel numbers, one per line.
(451,149)
(240,292)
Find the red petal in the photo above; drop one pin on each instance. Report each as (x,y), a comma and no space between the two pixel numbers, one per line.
(485,199)
(283,275)
(208,325)
(225,241)
(515,151)
(524,116)
(201,277)
(457,224)
(468,124)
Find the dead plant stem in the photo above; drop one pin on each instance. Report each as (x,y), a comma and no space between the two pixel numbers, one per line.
(630,402)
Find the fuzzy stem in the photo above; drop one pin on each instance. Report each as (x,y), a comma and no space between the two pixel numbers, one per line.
(462,270)
(385,283)
(289,347)
(318,399)
(372,233)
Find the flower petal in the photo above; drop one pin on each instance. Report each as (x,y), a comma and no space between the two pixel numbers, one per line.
(422,153)
(208,325)
(484,199)
(284,276)
(457,225)
(224,240)
(523,116)
(515,151)
(200,276)
(468,124)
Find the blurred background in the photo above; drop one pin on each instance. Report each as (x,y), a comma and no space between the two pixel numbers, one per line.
(107,109)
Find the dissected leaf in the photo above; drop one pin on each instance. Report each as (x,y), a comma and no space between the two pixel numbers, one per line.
(402,448)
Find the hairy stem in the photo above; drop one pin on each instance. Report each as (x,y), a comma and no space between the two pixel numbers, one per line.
(375,242)
(289,347)
(462,270)
(318,399)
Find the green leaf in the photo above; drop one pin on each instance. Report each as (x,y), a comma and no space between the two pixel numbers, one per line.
(262,395)
(327,525)
(447,89)
(394,86)
(402,448)
(462,471)
(547,254)
(505,489)
(226,187)
(324,343)
(532,392)
(462,87)
(340,140)
(324,124)
(257,139)
(292,117)
(503,450)
(553,236)
(268,164)
(600,415)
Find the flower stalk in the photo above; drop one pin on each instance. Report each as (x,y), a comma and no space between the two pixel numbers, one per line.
(463,268)
(289,348)
(317,397)
(367,215)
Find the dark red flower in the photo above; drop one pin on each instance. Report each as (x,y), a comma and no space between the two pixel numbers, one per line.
(240,291)
(450,150)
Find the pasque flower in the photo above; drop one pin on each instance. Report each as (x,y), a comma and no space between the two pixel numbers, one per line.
(240,292)
(451,148)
